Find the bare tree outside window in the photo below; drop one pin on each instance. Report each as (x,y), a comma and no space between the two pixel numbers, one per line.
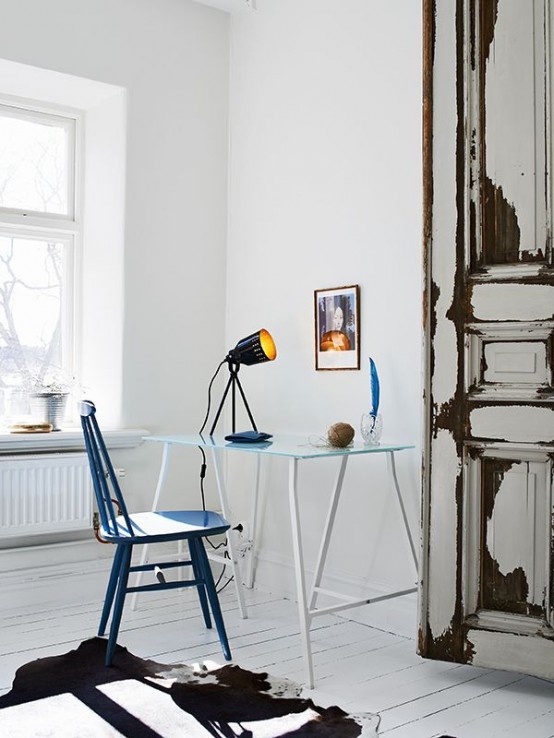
(30,311)
(34,165)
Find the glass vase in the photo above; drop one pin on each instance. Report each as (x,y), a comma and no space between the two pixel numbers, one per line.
(371,428)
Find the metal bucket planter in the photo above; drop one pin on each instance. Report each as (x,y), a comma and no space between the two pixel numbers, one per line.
(49,407)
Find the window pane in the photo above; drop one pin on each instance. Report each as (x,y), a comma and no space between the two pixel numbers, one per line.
(35,162)
(32,316)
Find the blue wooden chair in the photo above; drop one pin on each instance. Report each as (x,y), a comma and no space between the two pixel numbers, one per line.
(125,531)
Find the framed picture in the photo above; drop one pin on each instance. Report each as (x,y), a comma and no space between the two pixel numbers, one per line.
(337,328)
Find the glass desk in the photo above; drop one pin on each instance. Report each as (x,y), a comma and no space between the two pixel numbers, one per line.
(295,449)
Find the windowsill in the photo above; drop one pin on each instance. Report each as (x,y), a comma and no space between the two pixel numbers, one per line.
(68,439)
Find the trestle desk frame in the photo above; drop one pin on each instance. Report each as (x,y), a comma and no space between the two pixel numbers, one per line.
(295,449)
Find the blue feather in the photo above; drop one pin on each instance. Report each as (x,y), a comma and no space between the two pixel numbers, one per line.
(374,381)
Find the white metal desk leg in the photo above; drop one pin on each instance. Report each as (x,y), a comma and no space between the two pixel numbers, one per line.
(303,612)
(161,481)
(237,576)
(327,531)
(394,479)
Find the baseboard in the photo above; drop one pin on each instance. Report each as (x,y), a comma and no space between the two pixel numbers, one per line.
(27,583)
(46,554)
(61,574)
(275,573)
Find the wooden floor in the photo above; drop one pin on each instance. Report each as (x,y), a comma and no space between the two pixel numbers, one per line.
(361,669)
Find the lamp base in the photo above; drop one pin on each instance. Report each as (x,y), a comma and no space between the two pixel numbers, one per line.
(248,437)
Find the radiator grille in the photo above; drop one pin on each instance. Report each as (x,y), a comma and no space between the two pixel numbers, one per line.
(44,493)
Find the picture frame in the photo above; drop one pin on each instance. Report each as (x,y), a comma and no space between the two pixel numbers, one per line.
(337,328)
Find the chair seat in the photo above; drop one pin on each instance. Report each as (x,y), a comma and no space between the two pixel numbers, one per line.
(156,526)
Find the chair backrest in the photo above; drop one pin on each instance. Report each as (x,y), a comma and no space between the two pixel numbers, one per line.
(106,488)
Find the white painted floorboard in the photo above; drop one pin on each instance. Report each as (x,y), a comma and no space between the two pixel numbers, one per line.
(359,668)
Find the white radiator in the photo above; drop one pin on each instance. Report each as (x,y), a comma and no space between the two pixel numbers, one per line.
(44,493)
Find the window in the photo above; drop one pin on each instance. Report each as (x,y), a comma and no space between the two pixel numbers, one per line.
(36,162)
(39,238)
(72,221)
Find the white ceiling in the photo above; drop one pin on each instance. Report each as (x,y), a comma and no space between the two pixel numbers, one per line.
(230,6)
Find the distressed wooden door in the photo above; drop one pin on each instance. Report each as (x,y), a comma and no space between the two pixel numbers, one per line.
(488,547)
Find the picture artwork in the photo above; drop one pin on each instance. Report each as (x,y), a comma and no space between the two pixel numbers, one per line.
(337,328)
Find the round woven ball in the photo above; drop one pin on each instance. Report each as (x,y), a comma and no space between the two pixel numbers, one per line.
(340,434)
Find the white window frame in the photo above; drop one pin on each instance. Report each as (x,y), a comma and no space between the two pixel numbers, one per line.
(99,218)
(70,123)
(66,228)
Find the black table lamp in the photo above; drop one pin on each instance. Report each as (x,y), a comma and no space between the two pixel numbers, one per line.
(254,349)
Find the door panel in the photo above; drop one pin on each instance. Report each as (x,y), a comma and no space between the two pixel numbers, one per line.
(508,503)
(488,507)
(509,86)
(510,422)
(503,363)
(513,301)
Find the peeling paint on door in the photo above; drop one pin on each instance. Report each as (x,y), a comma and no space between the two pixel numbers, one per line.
(488,543)
(513,202)
(513,653)
(512,576)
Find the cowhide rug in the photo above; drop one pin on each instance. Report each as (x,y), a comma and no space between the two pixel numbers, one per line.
(76,696)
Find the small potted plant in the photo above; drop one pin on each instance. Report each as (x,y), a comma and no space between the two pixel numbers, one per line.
(49,400)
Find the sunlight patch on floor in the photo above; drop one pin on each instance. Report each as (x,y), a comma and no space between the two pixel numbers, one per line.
(56,716)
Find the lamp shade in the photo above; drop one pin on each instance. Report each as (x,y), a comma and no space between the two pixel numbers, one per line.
(254,349)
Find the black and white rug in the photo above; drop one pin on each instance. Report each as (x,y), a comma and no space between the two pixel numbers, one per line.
(76,696)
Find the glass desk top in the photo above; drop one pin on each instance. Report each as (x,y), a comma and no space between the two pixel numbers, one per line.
(292,446)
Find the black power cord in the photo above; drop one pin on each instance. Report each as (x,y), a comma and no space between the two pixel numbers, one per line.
(203,468)
(212,380)
(229,579)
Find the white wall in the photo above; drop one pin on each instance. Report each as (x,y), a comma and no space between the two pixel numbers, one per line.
(325,190)
(171,58)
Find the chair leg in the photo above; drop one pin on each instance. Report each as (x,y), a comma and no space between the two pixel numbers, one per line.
(123,578)
(213,598)
(198,575)
(110,590)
